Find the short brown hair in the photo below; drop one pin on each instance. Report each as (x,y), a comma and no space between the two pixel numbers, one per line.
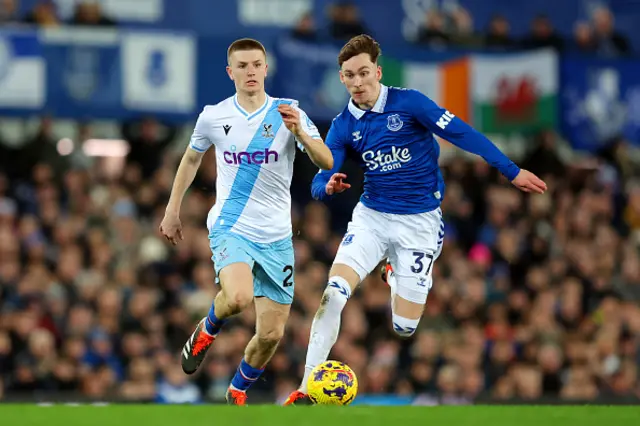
(245,44)
(359,44)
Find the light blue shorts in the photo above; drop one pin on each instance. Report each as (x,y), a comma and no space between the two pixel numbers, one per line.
(272,263)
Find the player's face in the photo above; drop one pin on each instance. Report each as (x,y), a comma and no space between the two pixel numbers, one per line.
(248,69)
(361,77)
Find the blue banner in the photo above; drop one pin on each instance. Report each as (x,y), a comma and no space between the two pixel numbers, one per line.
(112,74)
(599,100)
(83,74)
(94,73)
(22,71)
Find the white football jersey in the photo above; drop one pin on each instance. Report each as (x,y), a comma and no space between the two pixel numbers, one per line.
(254,157)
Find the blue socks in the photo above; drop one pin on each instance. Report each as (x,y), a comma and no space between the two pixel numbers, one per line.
(245,376)
(213,324)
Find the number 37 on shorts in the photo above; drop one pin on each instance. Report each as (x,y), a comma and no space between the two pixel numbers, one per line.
(422,263)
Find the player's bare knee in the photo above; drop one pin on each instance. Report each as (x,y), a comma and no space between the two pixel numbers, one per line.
(239,301)
(406,308)
(270,338)
(237,285)
(346,273)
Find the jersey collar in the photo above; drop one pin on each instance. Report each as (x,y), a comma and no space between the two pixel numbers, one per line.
(378,107)
(256,112)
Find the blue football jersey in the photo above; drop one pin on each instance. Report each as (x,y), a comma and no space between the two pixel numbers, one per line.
(395,146)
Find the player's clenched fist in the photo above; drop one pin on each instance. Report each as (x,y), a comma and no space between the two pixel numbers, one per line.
(291,118)
(171,228)
(337,184)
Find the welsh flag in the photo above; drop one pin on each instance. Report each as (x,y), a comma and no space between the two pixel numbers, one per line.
(514,93)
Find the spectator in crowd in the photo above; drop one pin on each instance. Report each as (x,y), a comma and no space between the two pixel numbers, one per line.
(543,35)
(8,12)
(148,139)
(89,13)
(305,29)
(36,149)
(44,15)
(345,21)
(463,32)
(433,34)
(6,152)
(175,388)
(609,41)
(544,158)
(583,39)
(498,35)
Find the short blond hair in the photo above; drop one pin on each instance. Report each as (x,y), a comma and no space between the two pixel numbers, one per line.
(245,44)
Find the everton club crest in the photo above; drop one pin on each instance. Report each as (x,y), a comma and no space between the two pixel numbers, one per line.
(394,123)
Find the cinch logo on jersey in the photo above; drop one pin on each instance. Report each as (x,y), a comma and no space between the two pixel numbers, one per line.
(258,157)
(445,119)
(387,162)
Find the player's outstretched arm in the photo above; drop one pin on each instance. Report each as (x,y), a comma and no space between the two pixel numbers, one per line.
(171,226)
(306,133)
(446,125)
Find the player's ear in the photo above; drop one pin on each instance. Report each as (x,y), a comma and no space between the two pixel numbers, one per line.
(266,69)
(341,77)
(379,72)
(229,72)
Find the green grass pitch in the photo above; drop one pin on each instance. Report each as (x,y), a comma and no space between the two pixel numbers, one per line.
(220,415)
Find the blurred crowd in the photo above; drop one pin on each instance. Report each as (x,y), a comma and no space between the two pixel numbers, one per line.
(45,14)
(533,295)
(453,27)
(442,28)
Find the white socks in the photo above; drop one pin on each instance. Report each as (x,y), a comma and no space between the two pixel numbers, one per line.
(326,325)
(404,327)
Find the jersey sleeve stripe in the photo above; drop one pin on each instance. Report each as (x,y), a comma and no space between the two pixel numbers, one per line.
(195,148)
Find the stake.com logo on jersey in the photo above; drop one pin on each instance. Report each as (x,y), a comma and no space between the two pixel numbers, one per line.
(257,157)
(387,162)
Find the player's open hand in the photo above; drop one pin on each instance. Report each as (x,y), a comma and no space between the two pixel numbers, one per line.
(528,182)
(337,184)
(291,118)
(171,228)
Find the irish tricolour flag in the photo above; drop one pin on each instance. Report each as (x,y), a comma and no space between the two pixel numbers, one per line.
(447,83)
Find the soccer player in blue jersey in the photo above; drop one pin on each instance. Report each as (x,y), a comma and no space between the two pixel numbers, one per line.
(398,217)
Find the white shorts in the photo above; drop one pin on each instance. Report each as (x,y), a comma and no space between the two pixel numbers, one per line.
(411,242)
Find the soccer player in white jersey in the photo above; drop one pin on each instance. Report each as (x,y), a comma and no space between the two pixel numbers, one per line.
(250,234)
(392,132)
